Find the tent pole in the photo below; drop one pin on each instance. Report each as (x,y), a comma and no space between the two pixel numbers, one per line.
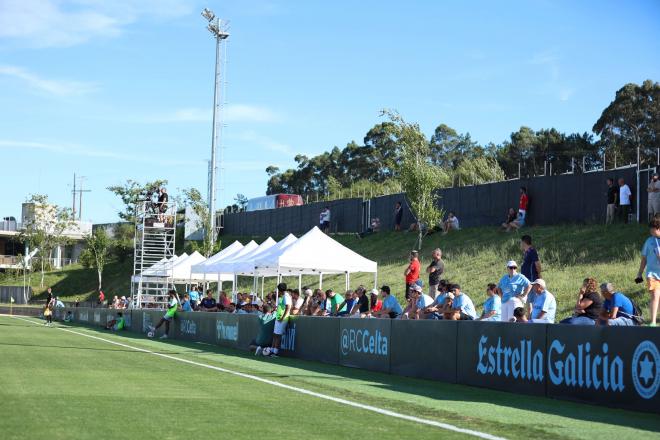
(299,282)
(262,287)
(375,280)
(321,281)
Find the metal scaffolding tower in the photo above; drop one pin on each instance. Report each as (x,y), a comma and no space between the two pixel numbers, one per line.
(153,256)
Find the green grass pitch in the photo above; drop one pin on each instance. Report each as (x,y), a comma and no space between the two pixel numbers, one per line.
(60,385)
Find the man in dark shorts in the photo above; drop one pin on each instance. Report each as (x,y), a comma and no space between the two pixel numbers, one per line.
(435,271)
(49,296)
(163,198)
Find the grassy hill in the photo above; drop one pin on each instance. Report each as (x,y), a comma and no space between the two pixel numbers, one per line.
(473,258)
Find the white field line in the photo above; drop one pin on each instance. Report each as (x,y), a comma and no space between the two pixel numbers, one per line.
(374,409)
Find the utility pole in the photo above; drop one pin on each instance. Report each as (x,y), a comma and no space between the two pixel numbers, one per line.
(74,195)
(219,31)
(79,192)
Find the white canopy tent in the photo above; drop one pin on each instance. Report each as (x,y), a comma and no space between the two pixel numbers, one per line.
(315,253)
(198,271)
(161,269)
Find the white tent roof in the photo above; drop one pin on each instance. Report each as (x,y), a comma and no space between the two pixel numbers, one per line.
(225,253)
(213,267)
(229,265)
(159,269)
(246,267)
(314,253)
(182,270)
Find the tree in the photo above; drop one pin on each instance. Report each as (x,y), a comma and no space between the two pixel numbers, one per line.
(194,199)
(95,255)
(632,121)
(420,179)
(45,227)
(477,171)
(133,192)
(241,201)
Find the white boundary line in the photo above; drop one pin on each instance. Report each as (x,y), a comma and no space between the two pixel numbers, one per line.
(374,409)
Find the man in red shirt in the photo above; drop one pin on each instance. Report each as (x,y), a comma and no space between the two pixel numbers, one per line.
(412,271)
(522,210)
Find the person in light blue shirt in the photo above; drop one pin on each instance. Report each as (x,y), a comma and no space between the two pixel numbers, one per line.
(544,307)
(492,306)
(391,307)
(463,306)
(513,288)
(185,304)
(194,297)
(651,261)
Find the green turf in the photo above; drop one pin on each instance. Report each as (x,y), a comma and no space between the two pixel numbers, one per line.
(473,257)
(55,384)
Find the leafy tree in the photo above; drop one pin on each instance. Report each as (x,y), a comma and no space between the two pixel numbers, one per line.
(45,228)
(122,243)
(95,255)
(194,199)
(477,171)
(632,121)
(420,179)
(241,201)
(133,192)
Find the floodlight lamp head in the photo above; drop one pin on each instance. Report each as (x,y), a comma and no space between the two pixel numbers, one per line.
(208,14)
(213,28)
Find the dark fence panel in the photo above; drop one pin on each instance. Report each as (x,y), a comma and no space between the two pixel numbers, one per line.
(312,338)
(20,296)
(612,366)
(502,356)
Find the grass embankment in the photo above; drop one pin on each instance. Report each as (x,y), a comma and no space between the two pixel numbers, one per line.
(473,257)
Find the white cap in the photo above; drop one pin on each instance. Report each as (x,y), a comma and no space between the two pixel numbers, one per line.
(511,263)
(417,288)
(375,291)
(540,282)
(308,292)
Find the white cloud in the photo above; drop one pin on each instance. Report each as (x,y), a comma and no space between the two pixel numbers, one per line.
(86,151)
(51,86)
(62,23)
(565,94)
(237,113)
(265,142)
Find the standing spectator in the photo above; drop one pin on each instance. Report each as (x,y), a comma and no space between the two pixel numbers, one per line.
(544,307)
(617,308)
(297,302)
(451,224)
(49,295)
(194,297)
(398,216)
(376,303)
(624,199)
(391,307)
(513,288)
(324,220)
(654,195)
(612,200)
(281,317)
(412,272)
(651,261)
(462,305)
(589,304)
(435,271)
(101,298)
(522,206)
(531,265)
(511,217)
(492,306)
(162,204)
(77,303)
(208,304)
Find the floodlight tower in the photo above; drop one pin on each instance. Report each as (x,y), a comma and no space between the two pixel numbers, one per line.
(219,30)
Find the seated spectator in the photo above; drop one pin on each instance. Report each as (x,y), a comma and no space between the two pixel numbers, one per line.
(266,326)
(419,301)
(492,306)
(242,308)
(391,307)
(376,303)
(348,303)
(462,306)
(117,323)
(185,304)
(510,218)
(544,307)
(223,299)
(231,308)
(297,302)
(589,304)
(519,315)
(617,308)
(68,317)
(115,303)
(208,304)
(335,301)
(451,224)
(123,302)
(361,306)
(308,296)
(448,307)
(438,308)
(59,303)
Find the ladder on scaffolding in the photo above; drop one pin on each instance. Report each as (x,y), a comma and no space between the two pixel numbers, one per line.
(154,244)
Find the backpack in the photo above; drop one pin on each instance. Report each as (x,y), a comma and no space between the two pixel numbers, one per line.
(637,314)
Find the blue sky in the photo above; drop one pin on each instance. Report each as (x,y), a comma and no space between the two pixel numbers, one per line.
(123,89)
